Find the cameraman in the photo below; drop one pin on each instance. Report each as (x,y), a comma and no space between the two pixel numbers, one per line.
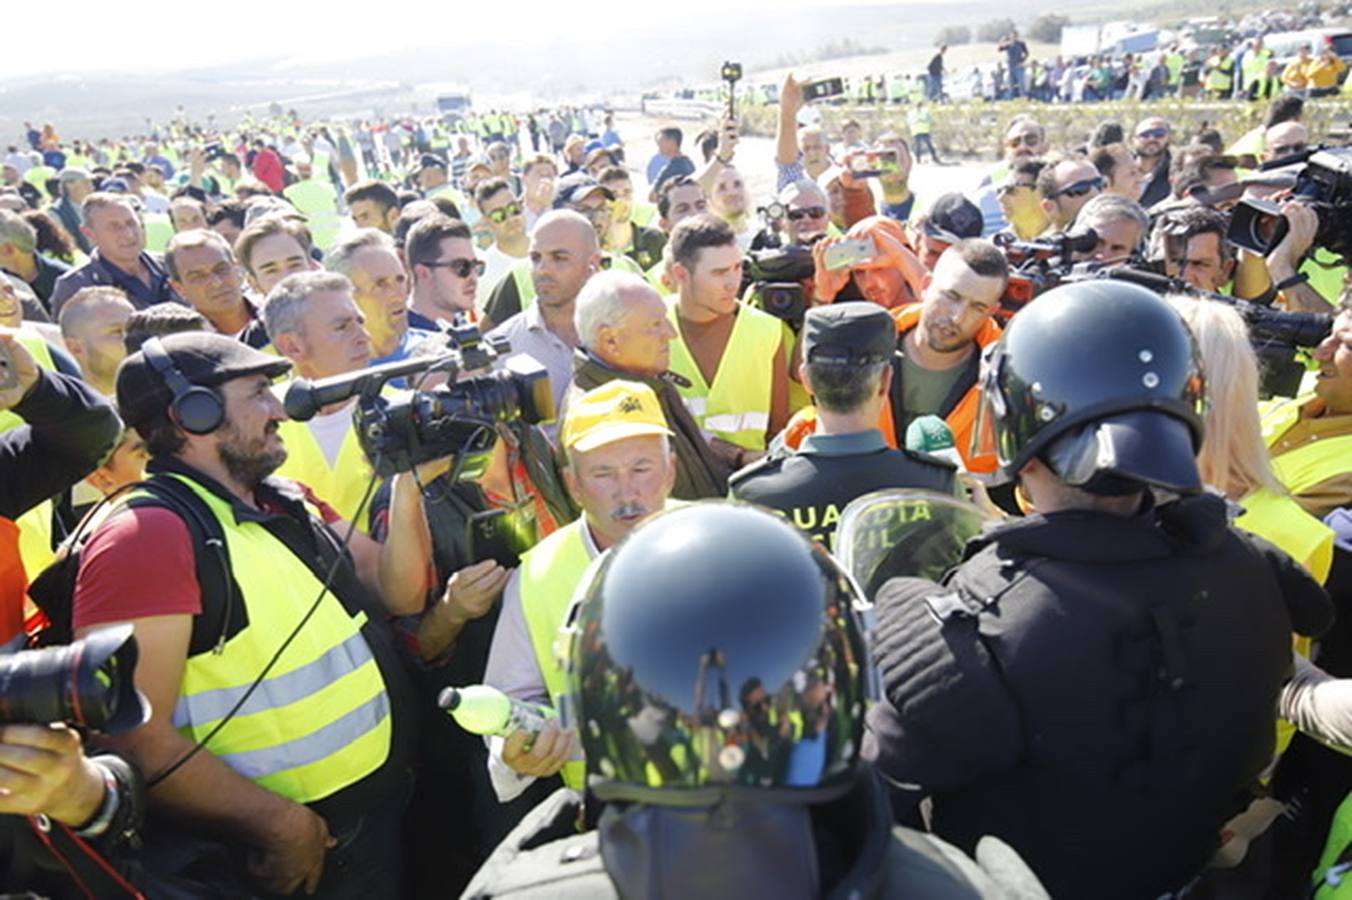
(68,429)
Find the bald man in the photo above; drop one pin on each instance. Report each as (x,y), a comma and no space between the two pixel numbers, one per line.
(564,253)
(1285,139)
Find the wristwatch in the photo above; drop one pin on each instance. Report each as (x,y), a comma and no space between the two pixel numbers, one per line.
(96,826)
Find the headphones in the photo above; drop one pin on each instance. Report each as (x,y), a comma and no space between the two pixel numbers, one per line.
(197,409)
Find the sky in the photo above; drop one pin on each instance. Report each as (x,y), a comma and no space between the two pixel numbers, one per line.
(156,34)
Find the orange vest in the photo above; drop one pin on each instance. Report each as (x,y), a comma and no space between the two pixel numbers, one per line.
(961,419)
(13,582)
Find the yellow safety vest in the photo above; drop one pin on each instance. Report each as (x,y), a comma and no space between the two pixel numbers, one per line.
(1326,273)
(1333,875)
(550,573)
(341,485)
(1280,520)
(318,202)
(159,231)
(1174,63)
(643,214)
(320,720)
(1316,461)
(1301,536)
(736,407)
(1221,77)
(38,176)
(35,526)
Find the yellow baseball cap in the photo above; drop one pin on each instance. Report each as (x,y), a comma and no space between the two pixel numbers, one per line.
(612,412)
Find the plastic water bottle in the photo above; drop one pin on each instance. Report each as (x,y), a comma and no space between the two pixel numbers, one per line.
(480,709)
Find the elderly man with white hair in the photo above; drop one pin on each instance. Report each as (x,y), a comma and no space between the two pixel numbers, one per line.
(624,333)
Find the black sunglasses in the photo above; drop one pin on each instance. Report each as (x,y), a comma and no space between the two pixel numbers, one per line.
(1080,188)
(807,212)
(461,267)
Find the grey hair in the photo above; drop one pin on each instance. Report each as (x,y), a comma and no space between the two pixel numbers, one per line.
(1104,208)
(340,258)
(601,302)
(14,230)
(284,308)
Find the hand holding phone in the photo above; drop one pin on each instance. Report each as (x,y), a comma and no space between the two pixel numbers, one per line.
(848,253)
(823,88)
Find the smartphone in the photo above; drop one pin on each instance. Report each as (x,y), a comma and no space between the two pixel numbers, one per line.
(9,374)
(491,536)
(849,253)
(873,163)
(822,88)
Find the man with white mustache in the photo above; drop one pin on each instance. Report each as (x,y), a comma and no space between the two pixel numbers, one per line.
(620,470)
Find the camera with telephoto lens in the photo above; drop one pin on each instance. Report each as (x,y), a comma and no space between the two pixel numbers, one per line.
(1324,184)
(1038,265)
(399,430)
(773,280)
(87,684)
(1276,335)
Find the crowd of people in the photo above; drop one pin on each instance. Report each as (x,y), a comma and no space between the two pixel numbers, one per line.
(1241,69)
(1132,684)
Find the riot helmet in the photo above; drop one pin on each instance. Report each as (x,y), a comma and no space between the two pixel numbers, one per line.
(717,650)
(1102,381)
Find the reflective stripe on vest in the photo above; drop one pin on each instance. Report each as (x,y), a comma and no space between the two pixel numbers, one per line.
(340,485)
(550,572)
(320,720)
(736,407)
(1310,464)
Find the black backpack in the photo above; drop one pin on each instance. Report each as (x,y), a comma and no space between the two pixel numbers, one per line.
(53,590)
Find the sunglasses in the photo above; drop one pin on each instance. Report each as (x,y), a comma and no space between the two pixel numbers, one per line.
(1028,139)
(807,212)
(1080,188)
(1281,150)
(461,267)
(503,213)
(1153,133)
(1010,187)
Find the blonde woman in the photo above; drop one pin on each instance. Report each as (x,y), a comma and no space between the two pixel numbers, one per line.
(1233,458)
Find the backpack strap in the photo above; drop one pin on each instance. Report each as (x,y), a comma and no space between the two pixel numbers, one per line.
(222,613)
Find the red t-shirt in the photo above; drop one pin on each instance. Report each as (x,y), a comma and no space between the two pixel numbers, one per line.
(140,563)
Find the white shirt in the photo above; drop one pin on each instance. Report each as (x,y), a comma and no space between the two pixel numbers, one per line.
(513,669)
(528,336)
(330,430)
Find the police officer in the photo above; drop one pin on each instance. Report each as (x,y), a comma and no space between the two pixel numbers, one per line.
(847,351)
(1096,684)
(725,752)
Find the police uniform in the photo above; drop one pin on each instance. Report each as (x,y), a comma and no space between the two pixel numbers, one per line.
(723,785)
(811,486)
(1096,689)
